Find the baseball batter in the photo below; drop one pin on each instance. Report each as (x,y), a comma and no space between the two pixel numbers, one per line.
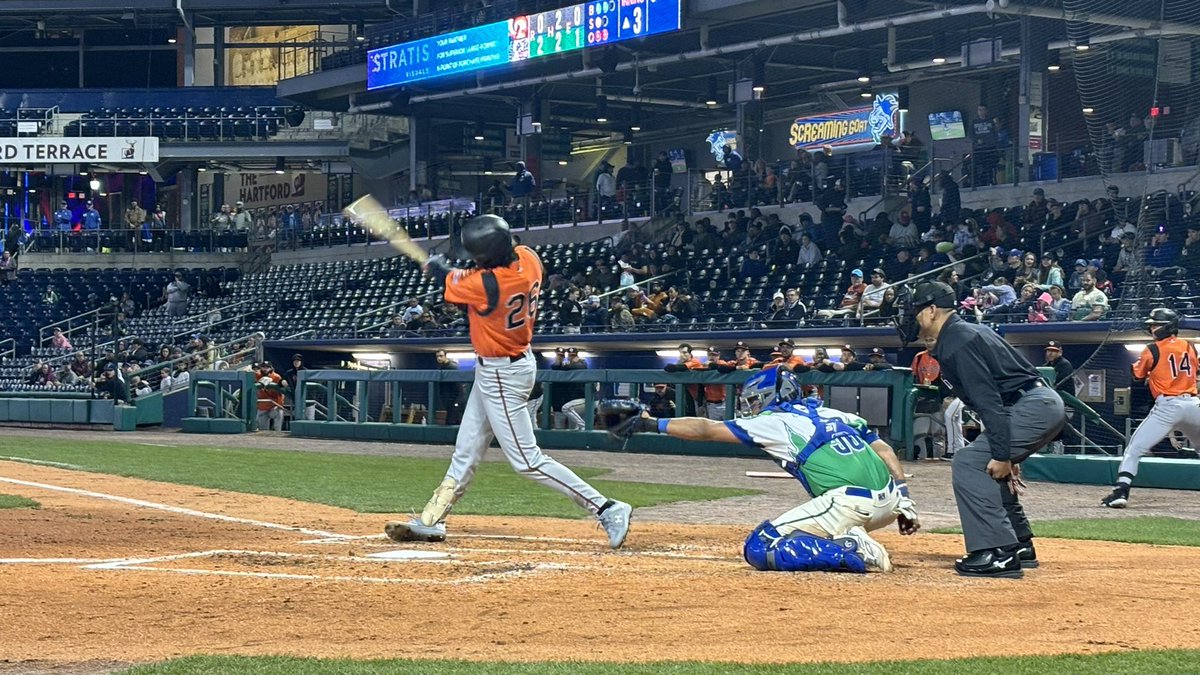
(1168,366)
(501,295)
(853,476)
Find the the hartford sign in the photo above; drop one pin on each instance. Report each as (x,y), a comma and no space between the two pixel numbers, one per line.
(131,150)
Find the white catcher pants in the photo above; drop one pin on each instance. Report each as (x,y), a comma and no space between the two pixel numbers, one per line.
(1169,413)
(497,408)
(954,426)
(835,512)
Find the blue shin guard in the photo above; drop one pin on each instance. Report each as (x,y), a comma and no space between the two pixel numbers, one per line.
(766,549)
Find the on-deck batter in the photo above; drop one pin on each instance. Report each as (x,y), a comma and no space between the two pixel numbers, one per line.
(1168,365)
(501,295)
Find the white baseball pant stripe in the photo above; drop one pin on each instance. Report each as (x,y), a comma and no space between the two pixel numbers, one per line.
(496,408)
(1170,413)
(535,410)
(954,426)
(573,410)
(835,512)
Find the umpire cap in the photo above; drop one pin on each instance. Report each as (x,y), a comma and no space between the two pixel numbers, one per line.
(933,293)
(488,240)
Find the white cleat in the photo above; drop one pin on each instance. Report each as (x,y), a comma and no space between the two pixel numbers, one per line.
(873,553)
(413,530)
(615,521)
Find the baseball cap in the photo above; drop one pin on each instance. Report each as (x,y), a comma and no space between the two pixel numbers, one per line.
(1016,252)
(1048,255)
(1039,192)
(1096,262)
(1054,346)
(714,350)
(741,345)
(560,350)
(778,294)
(856,273)
(1080,262)
(876,351)
(297,356)
(848,348)
(572,350)
(880,272)
(786,343)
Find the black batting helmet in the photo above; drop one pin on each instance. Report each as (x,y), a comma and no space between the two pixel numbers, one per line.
(1163,322)
(488,240)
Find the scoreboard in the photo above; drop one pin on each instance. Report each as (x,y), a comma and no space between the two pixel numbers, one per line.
(520,38)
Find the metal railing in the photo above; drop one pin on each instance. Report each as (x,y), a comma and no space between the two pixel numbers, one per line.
(70,329)
(8,352)
(359,329)
(897,285)
(204,314)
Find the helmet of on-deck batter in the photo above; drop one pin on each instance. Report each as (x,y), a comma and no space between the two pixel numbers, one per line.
(933,293)
(488,240)
(1163,322)
(771,386)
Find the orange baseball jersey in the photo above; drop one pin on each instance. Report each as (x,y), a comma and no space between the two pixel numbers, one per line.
(925,368)
(748,364)
(502,303)
(694,364)
(791,362)
(1169,366)
(269,399)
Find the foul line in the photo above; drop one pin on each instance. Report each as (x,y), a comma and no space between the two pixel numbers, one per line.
(176,509)
(45,462)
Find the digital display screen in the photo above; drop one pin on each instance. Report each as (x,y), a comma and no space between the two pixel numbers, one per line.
(520,38)
(945,126)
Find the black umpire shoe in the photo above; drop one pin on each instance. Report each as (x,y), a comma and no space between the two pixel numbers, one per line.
(991,562)
(1027,554)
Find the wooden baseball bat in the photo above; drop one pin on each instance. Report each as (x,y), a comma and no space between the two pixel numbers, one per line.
(368,211)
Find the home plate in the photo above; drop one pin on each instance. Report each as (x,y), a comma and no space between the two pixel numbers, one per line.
(409,554)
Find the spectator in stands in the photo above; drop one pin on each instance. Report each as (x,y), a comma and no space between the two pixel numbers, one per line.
(1132,144)
(775,311)
(242,221)
(397,328)
(134,216)
(127,306)
(1127,257)
(1050,274)
(606,188)
(1057,216)
(966,234)
(411,312)
(793,314)
(1042,310)
(1076,280)
(920,204)
(994,299)
(887,310)
(59,341)
(1162,252)
(139,387)
(1090,303)
(1060,307)
(63,217)
(81,366)
(165,381)
(832,202)
(877,360)
(753,266)
(90,220)
(998,231)
(1088,223)
(8,268)
(730,158)
(1036,211)
(1189,256)
(495,195)
(809,253)
(223,219)
(620,319)
(679,307)
(662,179)
(523,184)
(983,148)
(110,384)
(13,238)
(42,375)
(137,351)
(951,199)
(570,312)
(270,397)
(1029,267)
(872,296)
(784,250)
(904,232)
(176,294)
(595,317)
(899,268)
(850,298)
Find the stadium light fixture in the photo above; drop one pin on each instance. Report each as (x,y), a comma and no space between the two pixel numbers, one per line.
(171,40)
(710,99)
(202,169)
(479,131)
(601,109)
(864,78)
(360,31)
(94,184)
(939,60)
(1055,63)
(627,138)
(865,93)
(562,162)
(1082,44)
(1088,110)
(279,165)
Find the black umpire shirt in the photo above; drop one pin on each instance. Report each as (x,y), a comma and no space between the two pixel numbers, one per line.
(985,372)
(1062,374)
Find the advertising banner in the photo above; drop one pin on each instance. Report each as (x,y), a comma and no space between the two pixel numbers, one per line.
(257,190)
(43,150)
(857,126)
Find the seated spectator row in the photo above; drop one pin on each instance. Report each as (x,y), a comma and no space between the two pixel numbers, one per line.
(208,123)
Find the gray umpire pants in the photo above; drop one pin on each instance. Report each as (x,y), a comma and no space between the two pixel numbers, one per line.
(991,516)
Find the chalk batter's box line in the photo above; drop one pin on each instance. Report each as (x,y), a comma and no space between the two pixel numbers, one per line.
(152,565)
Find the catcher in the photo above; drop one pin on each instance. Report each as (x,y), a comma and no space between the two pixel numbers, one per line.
(854,478)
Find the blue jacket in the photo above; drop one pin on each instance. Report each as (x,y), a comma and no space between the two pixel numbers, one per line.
(63,218)
(90,219)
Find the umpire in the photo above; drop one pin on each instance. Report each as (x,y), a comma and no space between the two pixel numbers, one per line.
(1020,414)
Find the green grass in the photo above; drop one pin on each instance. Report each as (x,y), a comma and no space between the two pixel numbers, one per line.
(1135,530)
(1127,663)
(363,483)
(15,502)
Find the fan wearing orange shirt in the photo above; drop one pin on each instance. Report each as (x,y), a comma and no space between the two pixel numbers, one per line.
(501,295)
(788,358)
(696,406)
(1168,366)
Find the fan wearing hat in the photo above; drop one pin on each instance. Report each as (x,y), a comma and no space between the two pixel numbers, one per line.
(1063,368)
(849,361)
(1020,414)
(850,298)
(1036,211)
(1189,257)
(877,360)
(714,394)
(742,360)
(695,399)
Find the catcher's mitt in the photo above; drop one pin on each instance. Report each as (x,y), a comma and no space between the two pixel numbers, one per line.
(622,418)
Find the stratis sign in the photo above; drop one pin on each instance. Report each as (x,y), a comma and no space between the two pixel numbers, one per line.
(120,150)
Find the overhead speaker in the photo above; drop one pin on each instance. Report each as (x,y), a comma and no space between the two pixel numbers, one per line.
(294,117)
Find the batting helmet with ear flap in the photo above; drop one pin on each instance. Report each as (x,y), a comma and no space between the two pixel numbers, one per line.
(488,240)
(1163,323)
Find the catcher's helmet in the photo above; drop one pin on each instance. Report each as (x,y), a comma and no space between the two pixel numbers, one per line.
(1163,322)
(488,240)
(928,293)
(769,387)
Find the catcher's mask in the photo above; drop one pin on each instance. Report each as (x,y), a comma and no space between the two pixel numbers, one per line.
(768,387)
(930,293)
(1162,323)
